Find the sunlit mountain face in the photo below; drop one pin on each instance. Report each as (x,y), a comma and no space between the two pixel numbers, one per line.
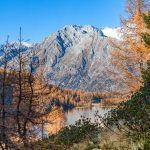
(75,57)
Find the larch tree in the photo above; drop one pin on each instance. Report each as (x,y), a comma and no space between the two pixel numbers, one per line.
(130,53)
(5,86)
(133,117)
(22,117)
(30,97)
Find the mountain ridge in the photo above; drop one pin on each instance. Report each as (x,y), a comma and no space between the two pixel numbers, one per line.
(76,57)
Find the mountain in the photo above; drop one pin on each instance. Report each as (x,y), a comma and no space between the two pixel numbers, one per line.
(77,57)
(112,32)
(12,50)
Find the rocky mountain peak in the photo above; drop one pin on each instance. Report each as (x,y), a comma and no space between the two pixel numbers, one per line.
(76,57)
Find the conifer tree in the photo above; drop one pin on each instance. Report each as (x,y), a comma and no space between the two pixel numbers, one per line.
(25,108)
(130,53)
(146,36)
(133,116)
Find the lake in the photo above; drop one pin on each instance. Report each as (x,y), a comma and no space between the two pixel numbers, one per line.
(75,114)
(70,117)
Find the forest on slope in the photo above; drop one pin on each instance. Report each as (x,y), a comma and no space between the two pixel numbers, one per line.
(22,114)
(127,126)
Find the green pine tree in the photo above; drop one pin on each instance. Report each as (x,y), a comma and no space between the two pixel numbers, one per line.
(146,36)
(134,114)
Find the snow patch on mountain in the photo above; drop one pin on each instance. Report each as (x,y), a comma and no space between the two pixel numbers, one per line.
(112,32)
(25,44)
(76,57)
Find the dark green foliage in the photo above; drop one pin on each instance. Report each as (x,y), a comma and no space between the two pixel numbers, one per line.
(83,130)
(147,145)
(147,19)
(146,36)
(133,116)
(135,113)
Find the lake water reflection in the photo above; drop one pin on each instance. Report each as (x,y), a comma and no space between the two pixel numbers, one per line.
(75,114)
(70,117)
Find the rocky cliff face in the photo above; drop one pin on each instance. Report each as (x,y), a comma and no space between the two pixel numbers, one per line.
(76,57)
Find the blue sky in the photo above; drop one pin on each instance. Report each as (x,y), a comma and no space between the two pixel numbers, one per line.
(39,18)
